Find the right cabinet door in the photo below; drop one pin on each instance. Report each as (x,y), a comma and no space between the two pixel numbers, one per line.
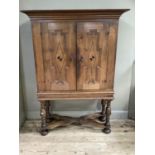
(96,48)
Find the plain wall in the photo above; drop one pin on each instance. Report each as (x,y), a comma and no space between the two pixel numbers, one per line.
(131,108)
(21,106)
(22,115)
(124,59)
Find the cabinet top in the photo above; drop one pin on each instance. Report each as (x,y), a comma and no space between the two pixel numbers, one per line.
(74,14)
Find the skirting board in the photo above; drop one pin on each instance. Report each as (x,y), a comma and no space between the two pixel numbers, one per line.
(115,114)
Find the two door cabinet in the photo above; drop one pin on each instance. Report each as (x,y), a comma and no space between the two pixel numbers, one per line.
(75,54)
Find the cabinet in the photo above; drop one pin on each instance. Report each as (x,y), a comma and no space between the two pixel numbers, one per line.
(75,54)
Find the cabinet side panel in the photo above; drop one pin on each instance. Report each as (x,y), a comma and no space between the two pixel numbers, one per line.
(37,46)
(112,41)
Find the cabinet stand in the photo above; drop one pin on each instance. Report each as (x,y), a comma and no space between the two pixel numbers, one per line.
(103,117)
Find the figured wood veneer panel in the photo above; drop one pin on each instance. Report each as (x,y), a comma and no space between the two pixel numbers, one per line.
(60,66)
(96,43)
(59,50)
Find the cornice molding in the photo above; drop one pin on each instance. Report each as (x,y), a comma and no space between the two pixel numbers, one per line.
(74,14)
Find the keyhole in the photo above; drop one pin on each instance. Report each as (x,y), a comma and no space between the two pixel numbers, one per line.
(92,58)
(59,58)
(81,59)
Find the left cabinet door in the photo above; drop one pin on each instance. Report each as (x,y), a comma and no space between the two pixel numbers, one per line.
(55,51)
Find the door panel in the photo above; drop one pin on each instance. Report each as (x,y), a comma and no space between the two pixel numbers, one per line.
(93,64)
(58,52)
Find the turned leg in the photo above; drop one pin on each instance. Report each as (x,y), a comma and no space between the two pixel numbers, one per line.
(107,128)
(102,117)
(48,116)
(44,129)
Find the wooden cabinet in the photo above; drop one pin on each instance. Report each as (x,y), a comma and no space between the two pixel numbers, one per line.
(75,54)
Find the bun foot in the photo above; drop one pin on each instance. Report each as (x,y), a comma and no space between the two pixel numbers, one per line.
(44,132)
(106,130)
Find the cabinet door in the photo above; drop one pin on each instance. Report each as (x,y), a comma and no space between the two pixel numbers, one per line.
(96,42)
(55,50)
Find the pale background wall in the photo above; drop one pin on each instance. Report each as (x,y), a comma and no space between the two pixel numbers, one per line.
(124,59)
(21,105)
(131,111)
